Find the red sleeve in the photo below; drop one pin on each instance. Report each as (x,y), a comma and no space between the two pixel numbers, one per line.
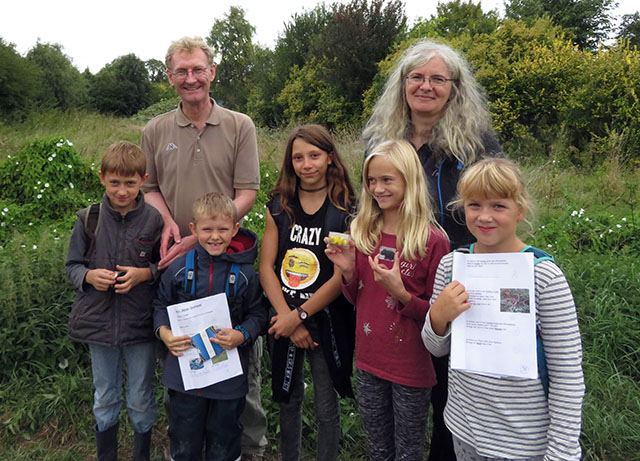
(437,247)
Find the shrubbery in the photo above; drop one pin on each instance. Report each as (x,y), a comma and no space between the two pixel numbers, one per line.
(45,182)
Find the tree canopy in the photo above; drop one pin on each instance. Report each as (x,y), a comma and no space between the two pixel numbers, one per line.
(62,85)
(231,38)
(588,20)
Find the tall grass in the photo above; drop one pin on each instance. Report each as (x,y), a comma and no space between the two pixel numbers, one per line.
(45,383)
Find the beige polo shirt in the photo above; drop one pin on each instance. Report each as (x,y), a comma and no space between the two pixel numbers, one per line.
(184,164)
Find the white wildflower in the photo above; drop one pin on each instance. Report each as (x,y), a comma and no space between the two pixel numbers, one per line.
(71,185)
(6,210)
(618,226)
(64,364)
(39,196)
(71,166)
(574,213)
(54,155)
(69,143)
(549,245)
(46,184)
(624,219)
(35,247)
(59,144)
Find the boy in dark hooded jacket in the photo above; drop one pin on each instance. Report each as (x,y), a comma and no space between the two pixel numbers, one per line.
(210,415)
(113,267)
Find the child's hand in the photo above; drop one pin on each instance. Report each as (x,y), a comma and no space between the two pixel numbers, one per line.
(390,279)
(342,256)
(133,276)
(101,279)
(228,338)
(302,339)
(176,344)
(451,302)
(284,324)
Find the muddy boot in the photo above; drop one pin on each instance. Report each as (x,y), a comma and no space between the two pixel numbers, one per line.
(107,442)
(141,445)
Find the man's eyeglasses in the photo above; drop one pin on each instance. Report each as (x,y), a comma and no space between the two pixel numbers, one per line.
(197,72)
(434,80)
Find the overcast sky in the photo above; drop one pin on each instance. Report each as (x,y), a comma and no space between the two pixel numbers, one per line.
(94,33)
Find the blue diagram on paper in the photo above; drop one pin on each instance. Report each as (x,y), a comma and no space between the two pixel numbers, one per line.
(206,348)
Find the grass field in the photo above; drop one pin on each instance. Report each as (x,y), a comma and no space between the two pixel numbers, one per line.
(587,219)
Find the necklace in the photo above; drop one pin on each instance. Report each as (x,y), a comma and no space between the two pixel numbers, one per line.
(312,190)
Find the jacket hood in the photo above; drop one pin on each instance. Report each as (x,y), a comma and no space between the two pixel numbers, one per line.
(243,249)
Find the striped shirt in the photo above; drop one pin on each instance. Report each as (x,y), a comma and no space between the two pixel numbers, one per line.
(511,417)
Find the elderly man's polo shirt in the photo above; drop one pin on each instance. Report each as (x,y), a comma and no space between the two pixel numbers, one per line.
(184,163)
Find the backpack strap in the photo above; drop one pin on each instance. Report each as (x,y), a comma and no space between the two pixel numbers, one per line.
(538,254)
(92,222)
(230,289)
(190,271)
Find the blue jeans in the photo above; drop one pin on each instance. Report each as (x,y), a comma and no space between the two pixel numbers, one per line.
(326,406)
(106,365)
(194,420)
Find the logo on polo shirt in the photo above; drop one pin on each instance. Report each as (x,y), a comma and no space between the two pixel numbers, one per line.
(171,146)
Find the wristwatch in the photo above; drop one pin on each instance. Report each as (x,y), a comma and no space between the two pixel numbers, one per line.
(302,314)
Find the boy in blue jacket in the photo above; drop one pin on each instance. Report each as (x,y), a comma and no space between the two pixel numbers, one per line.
(210,415)
(112,262)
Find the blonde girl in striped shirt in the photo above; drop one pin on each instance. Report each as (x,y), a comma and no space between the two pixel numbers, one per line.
(509,418)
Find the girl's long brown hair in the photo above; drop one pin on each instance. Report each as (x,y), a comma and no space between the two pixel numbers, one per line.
(340,191)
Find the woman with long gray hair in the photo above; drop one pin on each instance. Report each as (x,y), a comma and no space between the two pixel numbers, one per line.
(432,100)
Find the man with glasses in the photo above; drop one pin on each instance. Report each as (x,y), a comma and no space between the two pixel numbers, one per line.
(201,147)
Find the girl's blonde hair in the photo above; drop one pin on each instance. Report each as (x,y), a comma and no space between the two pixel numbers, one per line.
(415,213)
(493,177)
(459,132)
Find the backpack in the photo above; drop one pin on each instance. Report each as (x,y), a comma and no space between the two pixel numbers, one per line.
(538,256)
(190,276)
(91,226)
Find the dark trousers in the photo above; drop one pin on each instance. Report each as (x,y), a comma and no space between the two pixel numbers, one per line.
(394,417)
(196,421)
(441,446)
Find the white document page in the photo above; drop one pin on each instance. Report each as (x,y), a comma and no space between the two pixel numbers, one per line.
(190,318)
(497,335)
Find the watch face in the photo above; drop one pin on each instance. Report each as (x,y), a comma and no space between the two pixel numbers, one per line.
(302,314)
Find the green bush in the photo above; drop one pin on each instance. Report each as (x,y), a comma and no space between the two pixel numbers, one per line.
(46,181)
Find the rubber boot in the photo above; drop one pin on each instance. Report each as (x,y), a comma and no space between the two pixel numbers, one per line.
(107,442)
(141,445)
